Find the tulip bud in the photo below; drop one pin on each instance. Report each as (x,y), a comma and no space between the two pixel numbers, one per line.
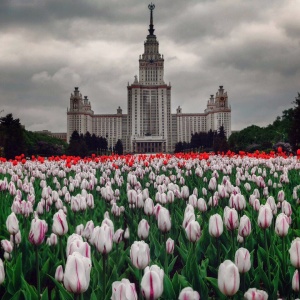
(256,205)
(201,204)
(143,229)
(152,282)
(7,246)
(118,236)
(37,231)
(265,216)
(12,223)
(140,254)
(123,290)
(170,246)
(245,226)
(240,239)
(88,230)
(193,231)
(253,294)
(164,220)
(60,224)
(188,294)
(16,238)
(242,260)
(102,238)
(77,273)
(126,234)
(148,207)
(295,253)
(280,196)
(286,208)
(59,274)
(282,225)
(295,281)
(215,226)
(2,272)
(79,229)
(228,278)
(188,217)
(230,217)
(52,240)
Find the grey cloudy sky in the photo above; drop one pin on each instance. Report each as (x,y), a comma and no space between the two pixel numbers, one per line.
(47,47)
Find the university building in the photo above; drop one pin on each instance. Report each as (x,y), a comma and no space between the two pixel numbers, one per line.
(149,125)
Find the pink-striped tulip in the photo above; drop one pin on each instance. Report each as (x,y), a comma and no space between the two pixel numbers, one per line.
(102,238)
(282,225)
(215,225)
(201,204)
(75,243)
(7,246)
(245,226)
(286,208)
(52,240)
(140,254)
(188,294)
(17,238)
(123,290)
(230,218)
(228,278)
(255,294)
(59,274)
(77,273)
(193,231)
(265,216)
(12,223)
(164,220)
(152,282)
(295,253)
(295,281)
(170,246)
(143,229)
(37,231)
(242,260)
(2,272)
(118,236)
(148,207)
(60,224)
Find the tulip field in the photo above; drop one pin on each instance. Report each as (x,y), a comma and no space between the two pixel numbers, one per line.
(155,226)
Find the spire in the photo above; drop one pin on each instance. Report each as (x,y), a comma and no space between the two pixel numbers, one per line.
(151,6)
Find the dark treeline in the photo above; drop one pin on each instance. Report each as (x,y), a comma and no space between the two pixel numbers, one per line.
(84,145)
(205,141)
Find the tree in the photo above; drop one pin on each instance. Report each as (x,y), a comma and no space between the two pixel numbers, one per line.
(77,145)
(12,138)
(220,141)
(294,132)
(119,147)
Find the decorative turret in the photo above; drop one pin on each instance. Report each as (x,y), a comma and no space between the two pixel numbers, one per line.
(151,6)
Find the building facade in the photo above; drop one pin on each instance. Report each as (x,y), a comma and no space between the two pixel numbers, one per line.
(149,126)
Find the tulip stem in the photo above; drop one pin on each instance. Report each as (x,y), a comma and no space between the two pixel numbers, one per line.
(268,258)
(218,251)
(233,244)
(104,273)
(62,252)
(283,259)
(38,281)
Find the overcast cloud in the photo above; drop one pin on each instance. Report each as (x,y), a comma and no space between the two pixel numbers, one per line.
(48,47)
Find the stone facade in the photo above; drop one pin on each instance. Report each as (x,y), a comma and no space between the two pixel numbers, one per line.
(149,125)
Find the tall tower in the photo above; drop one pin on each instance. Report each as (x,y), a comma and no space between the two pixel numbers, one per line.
(149,101)
(79,115)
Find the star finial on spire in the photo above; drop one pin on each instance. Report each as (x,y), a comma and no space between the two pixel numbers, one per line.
(151,7)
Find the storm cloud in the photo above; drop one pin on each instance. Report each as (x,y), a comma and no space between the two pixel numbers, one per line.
(48,47)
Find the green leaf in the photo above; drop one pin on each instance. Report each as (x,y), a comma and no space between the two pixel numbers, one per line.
(16,296)
(17,273)
(214,284)
(168,289)
(171,265)
(64,295)
(45,295)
